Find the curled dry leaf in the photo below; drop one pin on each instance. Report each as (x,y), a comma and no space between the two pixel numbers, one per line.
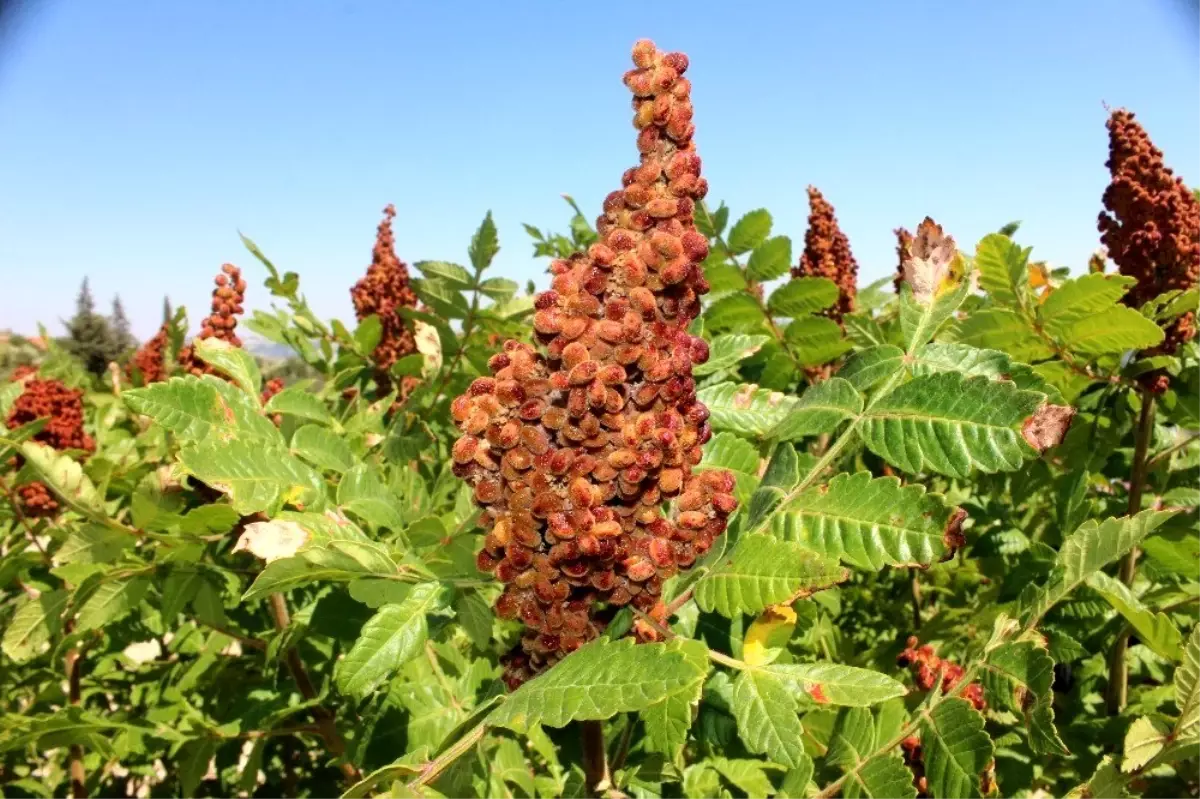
(953,536)
(143,651)
(933,264)
(429,344)
(271,540)
(1047,426)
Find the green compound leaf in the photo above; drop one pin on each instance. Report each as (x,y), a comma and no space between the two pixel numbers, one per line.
(232,361)
(484,244)
(952,424)
(1144,739)
(870,522)
(601,679)
(668,722)
(1003,270)
(750,231)
(761,571)
(202,409)
(745,409)
(254,476)
(363,493)
(296,401)
(739,313)
(1105,782)
(1000,329)
(956,749)
(770,260)
(1187,691)
(111,602)
(835,684)
(323,448)
(1155,630)
(871,366)
(766,714)
(815,340)
(1086,551)
(1085,316)
(1018,677)
(802,296)
(391,638)
(36,622)
(65,477)
(819,410)
(881,777)
(727,351)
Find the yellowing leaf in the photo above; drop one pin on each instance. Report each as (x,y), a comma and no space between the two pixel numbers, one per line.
(770,630)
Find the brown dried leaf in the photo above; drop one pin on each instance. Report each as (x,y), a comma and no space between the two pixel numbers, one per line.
(1048,426)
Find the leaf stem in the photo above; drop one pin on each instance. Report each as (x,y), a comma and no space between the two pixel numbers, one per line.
(1118,668)
(434,768)
(324,718)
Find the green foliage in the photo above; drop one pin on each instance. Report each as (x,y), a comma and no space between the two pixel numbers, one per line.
(289,589)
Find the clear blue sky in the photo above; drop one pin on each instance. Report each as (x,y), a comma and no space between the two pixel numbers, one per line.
(136,138)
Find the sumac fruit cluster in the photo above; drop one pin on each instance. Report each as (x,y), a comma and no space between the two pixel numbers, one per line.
(572,450)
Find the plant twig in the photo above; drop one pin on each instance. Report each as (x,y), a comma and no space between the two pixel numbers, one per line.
(916,599)
(434,768)
(595,758)
(74,661)
(622,752)
(1118,668)
(324,718)
(1171,450)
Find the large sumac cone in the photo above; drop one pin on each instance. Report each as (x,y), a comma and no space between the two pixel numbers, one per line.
(573,447)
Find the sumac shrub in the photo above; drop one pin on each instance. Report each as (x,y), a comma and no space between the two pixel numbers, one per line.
(707,517)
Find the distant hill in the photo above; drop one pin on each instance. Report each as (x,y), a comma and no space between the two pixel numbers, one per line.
(265,348)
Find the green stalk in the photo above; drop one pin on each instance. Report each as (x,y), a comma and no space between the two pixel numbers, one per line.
(1118,668)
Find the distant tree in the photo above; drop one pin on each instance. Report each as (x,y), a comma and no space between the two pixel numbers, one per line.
(168,311)
(89,335)
(123,339)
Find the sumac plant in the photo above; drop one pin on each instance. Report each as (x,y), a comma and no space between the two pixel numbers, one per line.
(705,518)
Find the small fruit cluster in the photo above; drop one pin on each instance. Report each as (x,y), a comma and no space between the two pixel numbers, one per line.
(36,500)
(926,666)
(827,254)
(914,758)
(63,409)
(384,291)
(227,299)
(63,406)
(270,389)
(1150,225)
(573,451)
(150,359)
(21,372)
